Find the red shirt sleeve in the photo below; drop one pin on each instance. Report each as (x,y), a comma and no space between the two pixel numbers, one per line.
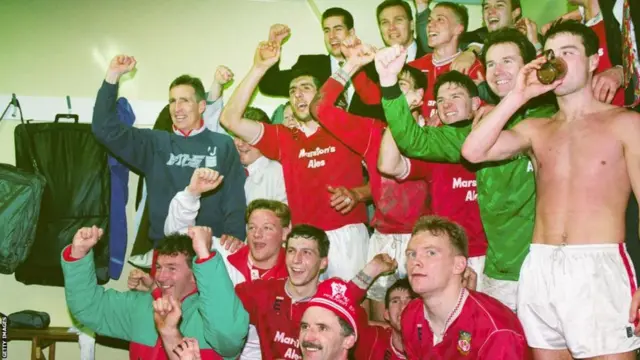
(475,69)
(66,255)
(366,88)
(504,345)
(352,130)
(418,170)
(200,261)
(246,292)
(270,140)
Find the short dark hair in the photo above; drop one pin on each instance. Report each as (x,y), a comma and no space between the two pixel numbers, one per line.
(345,327)
(513,36)
(279,208)
(460,11)
(391,3)
(175,244)
(515,4)
(194,82)
(457,78)
(347,18)
(311,233)
(256,114)
(419,78)
(588,36)
(297,73)
(438,226)
(401,284)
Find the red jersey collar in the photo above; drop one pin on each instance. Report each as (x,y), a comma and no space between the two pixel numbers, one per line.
(189,132)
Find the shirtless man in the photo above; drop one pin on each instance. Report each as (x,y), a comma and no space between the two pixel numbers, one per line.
(577,282)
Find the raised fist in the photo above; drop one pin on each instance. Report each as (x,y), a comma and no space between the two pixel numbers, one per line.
(385,263)
(166,313)
(201,240)
(85,239)
(121,64)
(389,62)
(203,180)
(356,52)
(267,54)
(278,33)
(139,280)
(223,75)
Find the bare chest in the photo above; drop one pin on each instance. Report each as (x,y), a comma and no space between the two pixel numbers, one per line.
(583,150)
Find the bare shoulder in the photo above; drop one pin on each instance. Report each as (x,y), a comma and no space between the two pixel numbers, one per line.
(626,123)
(532,125)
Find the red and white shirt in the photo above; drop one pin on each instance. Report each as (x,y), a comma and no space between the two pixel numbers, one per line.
(398,204)
(310,164)
(480,327)
(433,68)
(597,25)
(275,315)
(454,196)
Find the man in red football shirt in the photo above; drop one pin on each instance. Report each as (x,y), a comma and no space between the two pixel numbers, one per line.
(453,186)
(447,22)
(275,306)
(448,321)
(315,165)
(397,205)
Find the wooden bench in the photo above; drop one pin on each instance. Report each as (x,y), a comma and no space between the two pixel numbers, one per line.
(41,339)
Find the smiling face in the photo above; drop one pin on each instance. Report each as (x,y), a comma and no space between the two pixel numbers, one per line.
(443,27)
(321,336)
(173,276)
(302,90)
(503,62)
(304,262)
(265,235)
(335,32)
(248,154)
(185,108)
(395,26)
(497,14)
(455,104)
(432,263)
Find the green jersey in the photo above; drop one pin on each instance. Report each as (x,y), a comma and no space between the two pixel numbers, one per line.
(506,189)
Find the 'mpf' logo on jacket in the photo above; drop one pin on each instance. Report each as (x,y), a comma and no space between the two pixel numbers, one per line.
(195,161)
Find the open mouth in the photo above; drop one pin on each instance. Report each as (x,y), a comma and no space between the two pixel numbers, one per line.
(296,271)
(451,113)
(493,20)
(302,106)
(502,82)
(259,246)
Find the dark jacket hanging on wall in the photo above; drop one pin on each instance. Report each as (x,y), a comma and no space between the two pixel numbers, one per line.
(77,194)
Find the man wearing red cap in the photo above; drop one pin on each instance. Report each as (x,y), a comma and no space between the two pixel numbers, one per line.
(449,321)
(328,329)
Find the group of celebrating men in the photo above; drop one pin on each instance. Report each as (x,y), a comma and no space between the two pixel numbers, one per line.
(499,200)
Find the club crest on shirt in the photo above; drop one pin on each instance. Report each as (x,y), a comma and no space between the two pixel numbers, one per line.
(464,342)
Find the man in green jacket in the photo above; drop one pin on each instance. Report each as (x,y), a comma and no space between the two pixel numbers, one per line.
(187,271)
(508,219)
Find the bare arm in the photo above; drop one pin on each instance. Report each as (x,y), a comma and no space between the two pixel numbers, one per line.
(629,133)
(266,55)
(489,142)
(390,160)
